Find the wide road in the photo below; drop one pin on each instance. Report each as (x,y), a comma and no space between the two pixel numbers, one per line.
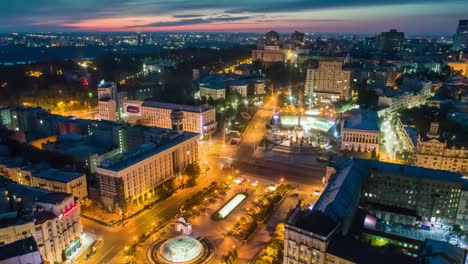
(255,131)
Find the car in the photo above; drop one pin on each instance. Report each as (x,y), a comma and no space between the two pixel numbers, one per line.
(254,184)
(453,240)
(316,193)
(271,187)
(239,180)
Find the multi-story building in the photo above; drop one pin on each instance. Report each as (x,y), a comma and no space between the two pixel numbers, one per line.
(298,37)
(360,130)
(21,251)
(133,177)
(199,119)
(328,82)
(215,91)
(42,176)
(460,39)
(269,54)
(259,86)
(107,101)
(462,214)
(371,192)
(378,75)
(407,135)
(54,180)
(391,41)
(272,37)
(433,194)
(55,216)
(239,86)
(436,154)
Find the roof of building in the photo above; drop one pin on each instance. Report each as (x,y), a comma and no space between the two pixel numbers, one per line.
(53,197)
(338,198)
(239,83)
(185,108)
(441,252)
(355,251)
(407,170)
(58,175)
(19,248)
(361,119)
(144,152)
(41,217)
(32,194)
(314,221)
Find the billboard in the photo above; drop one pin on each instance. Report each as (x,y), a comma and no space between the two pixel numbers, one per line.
(132,109)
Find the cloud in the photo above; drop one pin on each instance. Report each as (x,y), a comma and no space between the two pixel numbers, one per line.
(29,14)
(186,16)
(309,5)
(194,21)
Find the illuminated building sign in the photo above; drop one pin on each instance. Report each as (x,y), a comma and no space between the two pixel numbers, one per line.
(67,212)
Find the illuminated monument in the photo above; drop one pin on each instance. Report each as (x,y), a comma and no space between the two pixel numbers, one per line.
(182,248)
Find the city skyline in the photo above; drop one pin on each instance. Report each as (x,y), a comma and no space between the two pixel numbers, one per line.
(362,16)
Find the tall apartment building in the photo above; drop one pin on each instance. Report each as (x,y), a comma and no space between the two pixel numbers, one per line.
(198,119)
(460,39)
(133,177)
(328,82)
(433,153)
(107,101)
(272,36)
(52,218)
(360,130)
(391,41)
(366,192)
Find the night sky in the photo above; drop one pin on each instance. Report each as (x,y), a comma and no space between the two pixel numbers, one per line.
(345,16)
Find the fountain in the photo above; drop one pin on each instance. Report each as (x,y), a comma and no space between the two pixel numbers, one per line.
(183,248)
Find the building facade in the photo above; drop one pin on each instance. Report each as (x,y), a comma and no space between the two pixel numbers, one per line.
(460,39)
(360,131)
(107,101)
(435,154)
(391,41)
(240,87)
(131,179)
(52,218)
(197,119)
(215,92)
(329,82)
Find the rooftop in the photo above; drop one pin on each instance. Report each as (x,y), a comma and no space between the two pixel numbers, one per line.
(361,119)
(358,252)
(19,248)
(440,252)
(339,199)
(143,152)
(58,175)
(340,195)
(32,194)
(313,221)
(186,108)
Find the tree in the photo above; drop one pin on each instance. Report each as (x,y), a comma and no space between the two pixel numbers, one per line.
(193,172)
(367,97)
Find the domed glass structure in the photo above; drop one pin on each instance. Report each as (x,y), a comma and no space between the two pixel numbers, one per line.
(181,249)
